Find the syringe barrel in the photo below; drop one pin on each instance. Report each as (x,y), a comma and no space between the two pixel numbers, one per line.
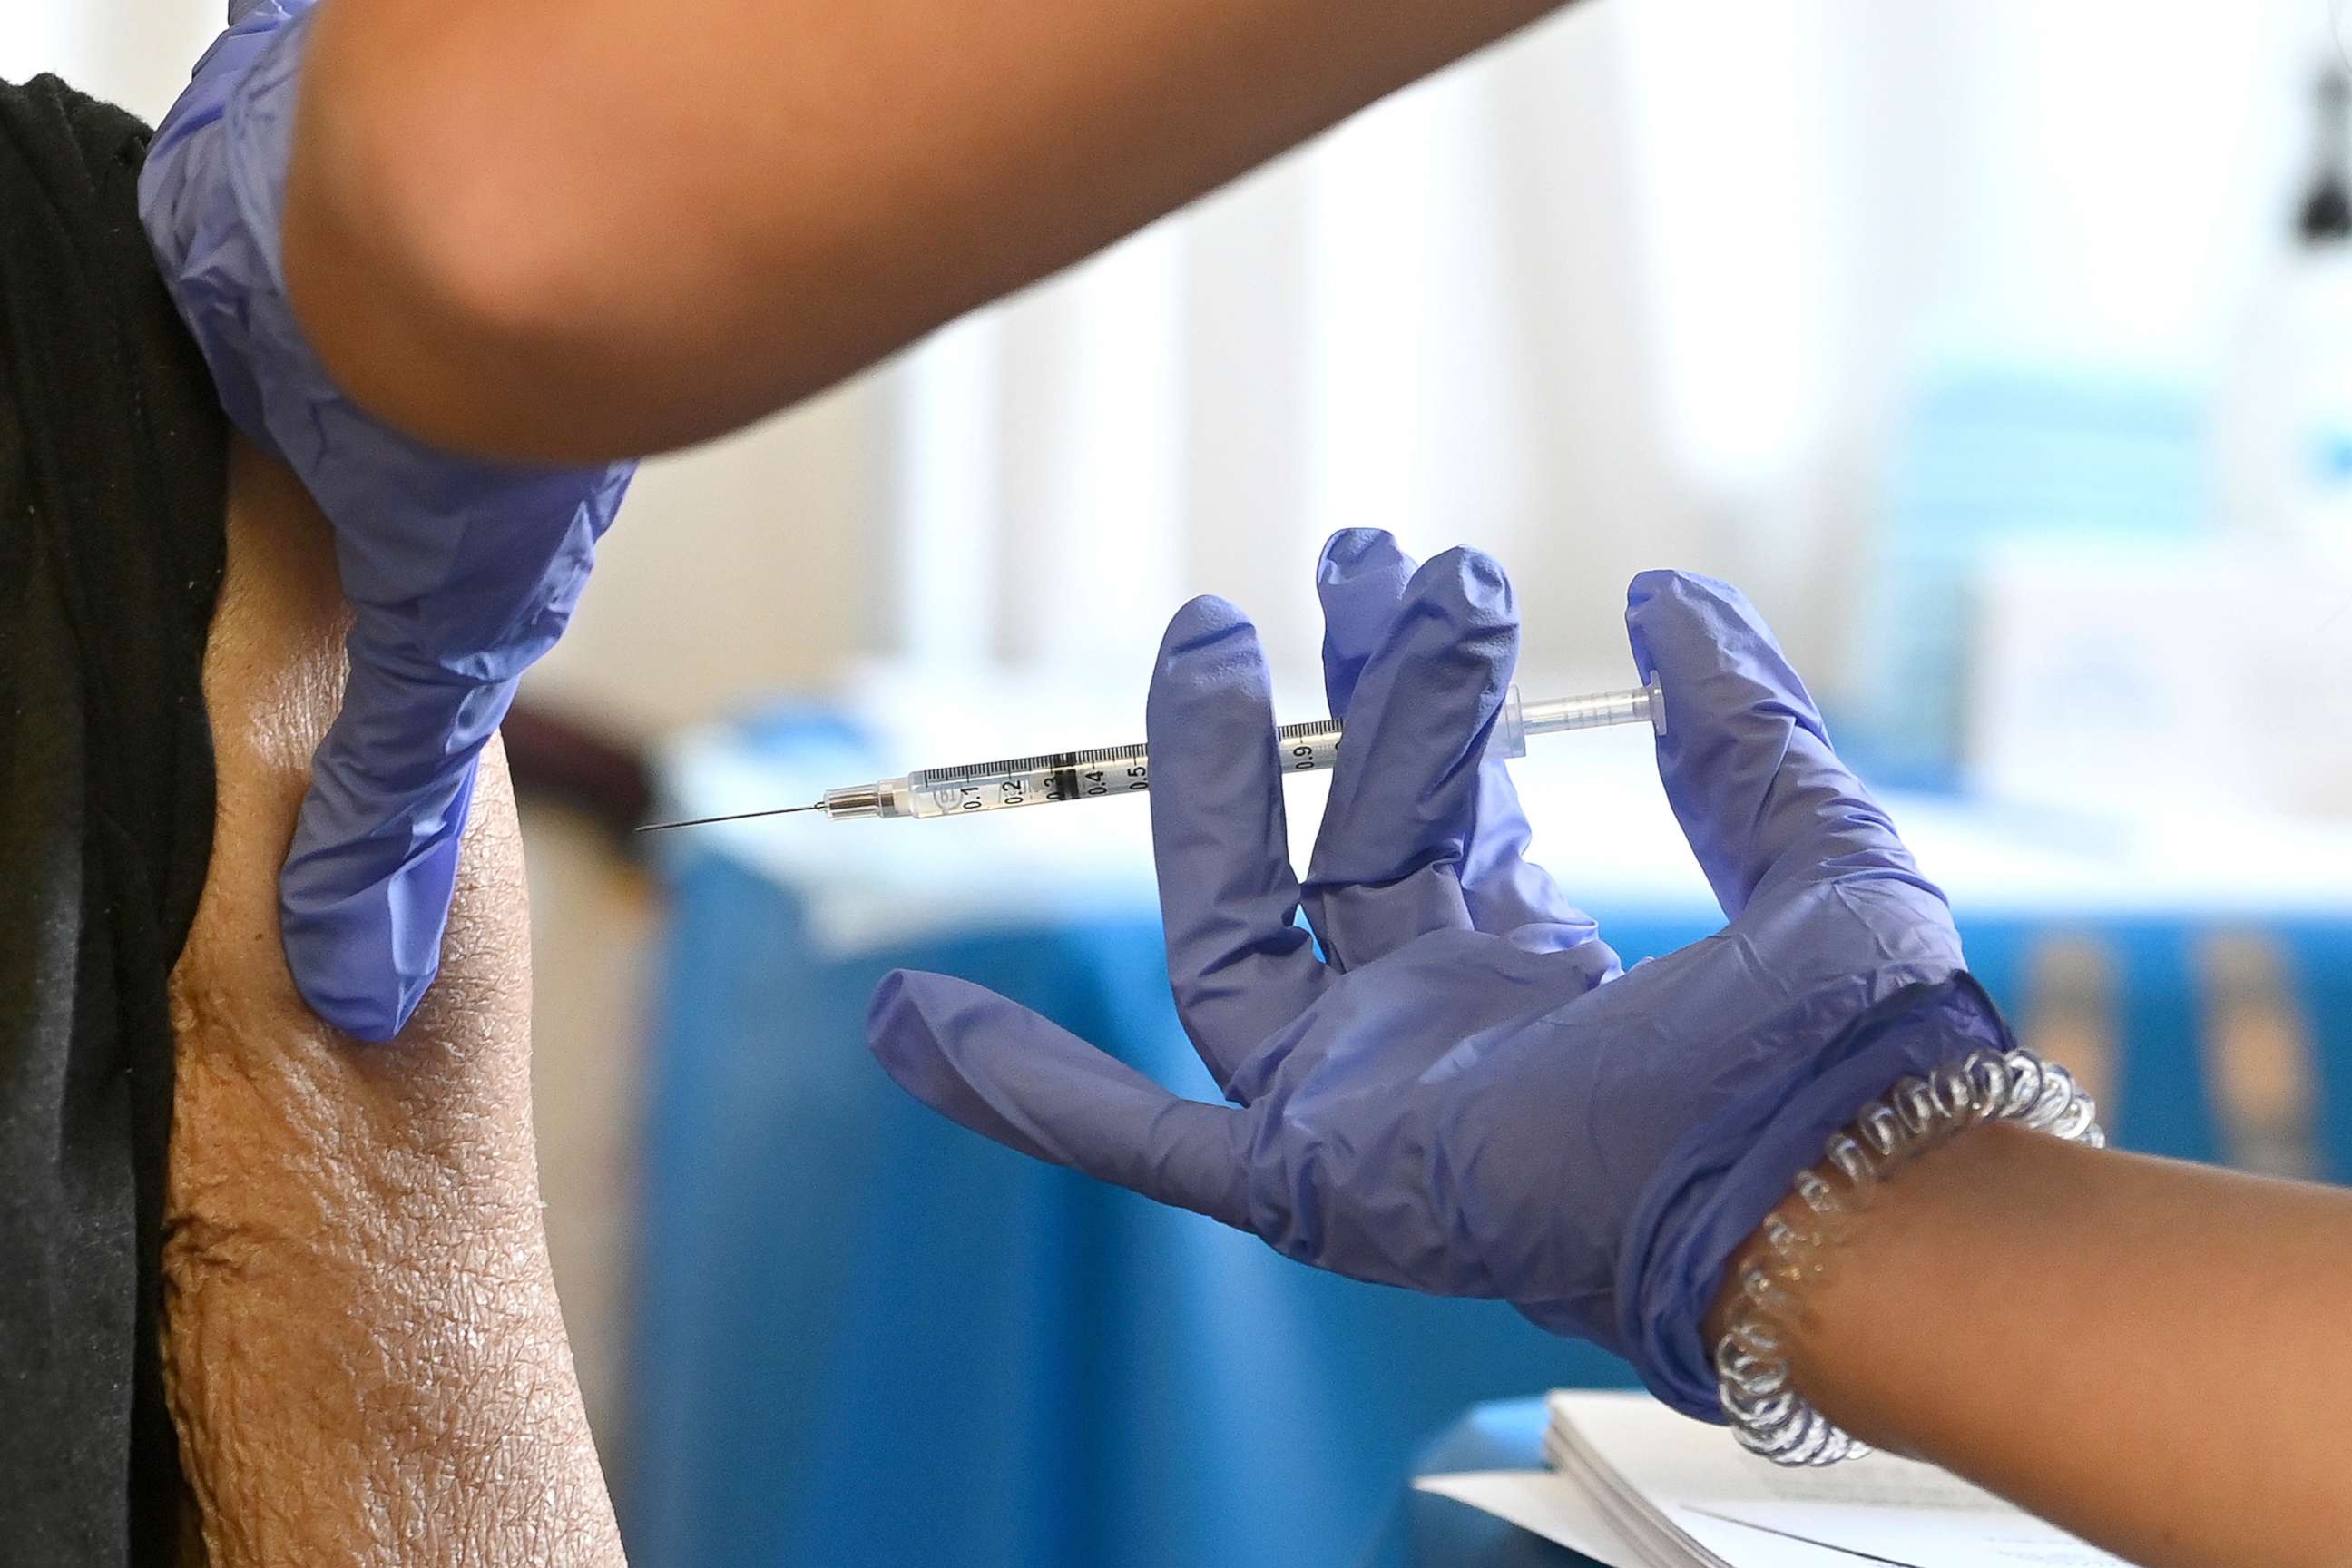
(1049,778)
(1553,716)
(1058,776)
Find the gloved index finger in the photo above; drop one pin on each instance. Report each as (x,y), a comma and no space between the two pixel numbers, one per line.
(1747,764)
(1239,965)
(364,893)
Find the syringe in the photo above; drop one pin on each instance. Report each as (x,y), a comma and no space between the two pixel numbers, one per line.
(1054,778)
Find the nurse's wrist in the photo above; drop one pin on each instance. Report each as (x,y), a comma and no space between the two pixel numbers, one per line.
(1731,1169)
(1765,1322)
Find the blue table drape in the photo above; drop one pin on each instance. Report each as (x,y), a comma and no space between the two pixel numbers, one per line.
(866,1336)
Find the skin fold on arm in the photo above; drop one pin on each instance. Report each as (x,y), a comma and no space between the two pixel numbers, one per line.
(362,1350)
(2149,1353)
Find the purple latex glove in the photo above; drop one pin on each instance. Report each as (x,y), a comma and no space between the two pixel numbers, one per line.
(460,572)
(1461,1094)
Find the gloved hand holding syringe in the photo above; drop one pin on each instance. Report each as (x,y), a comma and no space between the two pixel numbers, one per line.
(1052,778)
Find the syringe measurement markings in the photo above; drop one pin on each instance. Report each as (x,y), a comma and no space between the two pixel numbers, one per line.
(1059,775)
(1073,763)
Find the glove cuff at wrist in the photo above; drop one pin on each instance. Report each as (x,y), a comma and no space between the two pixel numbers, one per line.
(1729,1172)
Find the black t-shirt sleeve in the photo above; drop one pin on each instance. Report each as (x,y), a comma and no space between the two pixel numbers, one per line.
(112,457)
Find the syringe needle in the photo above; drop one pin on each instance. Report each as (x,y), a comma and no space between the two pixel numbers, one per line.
(731,816)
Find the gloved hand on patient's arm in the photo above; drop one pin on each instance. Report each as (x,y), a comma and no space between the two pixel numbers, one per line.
(1462,1092)
(460,572)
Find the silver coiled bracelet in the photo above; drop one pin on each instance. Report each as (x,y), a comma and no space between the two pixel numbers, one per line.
(1751,1360)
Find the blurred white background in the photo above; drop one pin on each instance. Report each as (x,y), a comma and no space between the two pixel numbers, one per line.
(1928,323)
(1650,285)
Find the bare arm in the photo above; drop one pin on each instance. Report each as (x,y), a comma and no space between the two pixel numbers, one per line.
(2149,1353)
(680,218)
(362,1350)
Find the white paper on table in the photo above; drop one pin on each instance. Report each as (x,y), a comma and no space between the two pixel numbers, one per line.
(1683,1540)
(1540,1503)
(1892,1509)
(1733,1543)
(1547,1505)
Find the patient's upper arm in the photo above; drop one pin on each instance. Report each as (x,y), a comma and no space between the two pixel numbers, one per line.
(363,1350)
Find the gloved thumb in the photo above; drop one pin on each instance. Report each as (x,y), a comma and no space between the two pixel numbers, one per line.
(363,899)
(1000,1070)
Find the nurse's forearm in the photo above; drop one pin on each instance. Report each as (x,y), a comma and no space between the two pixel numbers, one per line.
(577,228)
(2149,1353)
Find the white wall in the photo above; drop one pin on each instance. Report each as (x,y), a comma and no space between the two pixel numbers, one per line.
(743,568)
(1647,286)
